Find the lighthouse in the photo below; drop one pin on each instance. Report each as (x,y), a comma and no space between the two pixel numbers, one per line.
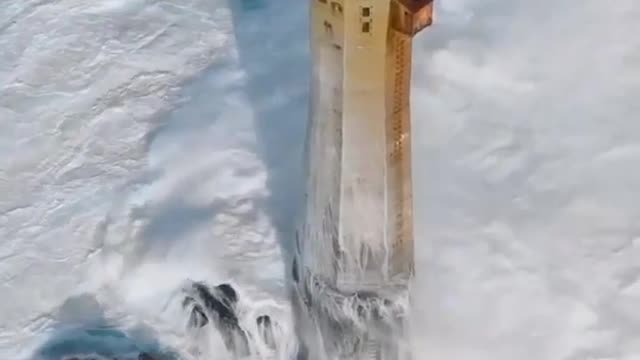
(354,248)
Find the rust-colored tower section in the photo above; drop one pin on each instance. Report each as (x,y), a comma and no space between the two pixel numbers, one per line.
(407,18)
(355,246)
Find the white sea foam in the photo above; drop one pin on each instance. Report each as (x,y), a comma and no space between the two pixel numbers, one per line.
(146,143)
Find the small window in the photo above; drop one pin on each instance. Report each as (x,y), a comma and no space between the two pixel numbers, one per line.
(366,27)
(366,11)
(327,27)
(336,8)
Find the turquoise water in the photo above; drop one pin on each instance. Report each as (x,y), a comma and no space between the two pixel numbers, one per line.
(104,342)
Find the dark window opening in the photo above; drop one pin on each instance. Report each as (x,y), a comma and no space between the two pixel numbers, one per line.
(366,27)
(408,19)
(327,27)
(336,8)
(366,11)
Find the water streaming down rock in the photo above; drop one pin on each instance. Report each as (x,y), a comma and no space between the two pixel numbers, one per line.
(217,307)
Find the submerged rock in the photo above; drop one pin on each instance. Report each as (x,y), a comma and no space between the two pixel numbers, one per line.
(265,329)
(217,306)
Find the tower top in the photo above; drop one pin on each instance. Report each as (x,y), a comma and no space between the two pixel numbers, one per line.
(415,5)
(411,16)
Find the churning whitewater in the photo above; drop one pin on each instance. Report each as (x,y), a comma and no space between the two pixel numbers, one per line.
(214,320)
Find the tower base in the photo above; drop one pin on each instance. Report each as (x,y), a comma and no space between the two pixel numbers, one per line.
(360,325)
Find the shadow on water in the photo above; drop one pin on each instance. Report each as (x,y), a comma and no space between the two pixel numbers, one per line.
(190,133)
(171,218)
(272,47)
(273,50)
(84,333)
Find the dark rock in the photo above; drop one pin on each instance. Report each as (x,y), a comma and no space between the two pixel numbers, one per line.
(145,356)
(264,320)
(217,306)
(229,293)
(294,270)
(265,329)
(198,317)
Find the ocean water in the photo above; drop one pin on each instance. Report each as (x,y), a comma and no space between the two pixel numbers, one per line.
(147,144)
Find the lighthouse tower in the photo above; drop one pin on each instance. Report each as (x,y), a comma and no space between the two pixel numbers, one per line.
(355,244)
